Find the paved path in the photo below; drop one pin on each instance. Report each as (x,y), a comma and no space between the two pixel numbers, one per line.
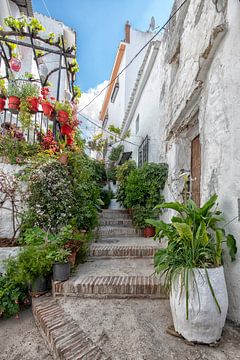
(115,308)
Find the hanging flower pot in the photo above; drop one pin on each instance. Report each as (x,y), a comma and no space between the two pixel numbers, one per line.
(70,140)
(13,103)
(33,104)
(15,64)
(63,116)
(149,232)
(66,130)
(2,104)
(48,108)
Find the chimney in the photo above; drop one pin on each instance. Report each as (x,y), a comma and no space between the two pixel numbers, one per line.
(127,32)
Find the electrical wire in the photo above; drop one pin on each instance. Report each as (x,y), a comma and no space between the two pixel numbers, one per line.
(137,54)
(45,5)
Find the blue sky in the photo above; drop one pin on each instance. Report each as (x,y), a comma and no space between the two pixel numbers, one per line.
(100,26)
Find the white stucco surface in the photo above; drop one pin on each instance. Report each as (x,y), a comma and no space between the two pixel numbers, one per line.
(193,89)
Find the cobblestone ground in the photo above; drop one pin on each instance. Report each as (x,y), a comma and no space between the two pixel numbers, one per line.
(21,340)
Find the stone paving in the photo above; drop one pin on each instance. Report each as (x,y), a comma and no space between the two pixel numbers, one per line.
(120,307)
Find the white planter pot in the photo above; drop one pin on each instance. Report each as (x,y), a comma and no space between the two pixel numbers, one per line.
(205,322)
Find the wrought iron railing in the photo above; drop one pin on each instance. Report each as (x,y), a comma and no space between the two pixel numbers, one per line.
(143,152)
(40,123)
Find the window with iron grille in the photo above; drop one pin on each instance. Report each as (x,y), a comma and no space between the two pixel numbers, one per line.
(143,152)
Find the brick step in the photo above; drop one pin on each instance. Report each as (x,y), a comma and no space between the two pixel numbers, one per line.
(61,333)
(111,287)
(106,251)
(115,216)
(116,222)
(115,211)
(114,231)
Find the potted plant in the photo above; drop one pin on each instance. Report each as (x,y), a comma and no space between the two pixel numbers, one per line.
(33,267)
(61,265)
(29,103)
(64,111)
(14,94)
(192,266)
(47,103)
(140,214)
(3,93)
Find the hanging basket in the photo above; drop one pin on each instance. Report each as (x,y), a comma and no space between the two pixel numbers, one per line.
(2,104)
(63,116)
(13,104)
(33,105)
(66,130)
(15,64)
(48,109)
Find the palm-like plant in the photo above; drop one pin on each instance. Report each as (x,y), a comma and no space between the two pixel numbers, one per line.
(195,240)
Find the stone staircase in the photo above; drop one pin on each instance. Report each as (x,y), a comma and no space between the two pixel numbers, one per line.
(119,268)
(120,264)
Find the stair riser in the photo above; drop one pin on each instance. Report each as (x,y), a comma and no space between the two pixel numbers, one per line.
(118,232)
(112,287)
(115,217)
(111,252)
(113,222)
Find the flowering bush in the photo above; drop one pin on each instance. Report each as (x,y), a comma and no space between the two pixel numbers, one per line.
(51,197)
(47,142)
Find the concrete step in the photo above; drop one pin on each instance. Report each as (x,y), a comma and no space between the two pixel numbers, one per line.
(109,251)
(64,338)
(115,215)
(116,222)
(109,287)
(115,231)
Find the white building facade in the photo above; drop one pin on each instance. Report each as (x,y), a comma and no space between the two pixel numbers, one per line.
(184,110)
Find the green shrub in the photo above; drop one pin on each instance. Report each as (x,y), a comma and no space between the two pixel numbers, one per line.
(106,196)
(115,153)
(51,197)
(123,172)
(141,213)
(144,185)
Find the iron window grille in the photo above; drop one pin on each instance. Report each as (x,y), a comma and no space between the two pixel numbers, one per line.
(143,151)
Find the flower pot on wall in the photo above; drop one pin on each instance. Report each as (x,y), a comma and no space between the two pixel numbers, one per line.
(61,271)
(48,109)
(149,232)
(33,104)
(63,116)
(66,130)
(205,320)
(2,104)
(13,104)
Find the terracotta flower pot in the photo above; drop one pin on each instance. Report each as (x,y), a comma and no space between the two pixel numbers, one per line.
(13,104)
(63,159)
(149,232)
(2,104)
(72,257)
(66,130)
(63,116)
(33,104)
(48,109)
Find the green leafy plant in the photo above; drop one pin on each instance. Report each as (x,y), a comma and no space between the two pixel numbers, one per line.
(123,172)
(13,295)
(3,90)
(195,240)
(28,90)
(144,185)
(59,255)
(112,174)
(73,66)
(106,196)
(65,106)
(76,92)
(18,25)
(14,88)
(115,153)
(141,213)
(51,197)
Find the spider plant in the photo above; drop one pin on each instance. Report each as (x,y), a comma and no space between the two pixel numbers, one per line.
(195,240)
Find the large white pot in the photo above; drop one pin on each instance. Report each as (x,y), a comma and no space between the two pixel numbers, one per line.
(205,322)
